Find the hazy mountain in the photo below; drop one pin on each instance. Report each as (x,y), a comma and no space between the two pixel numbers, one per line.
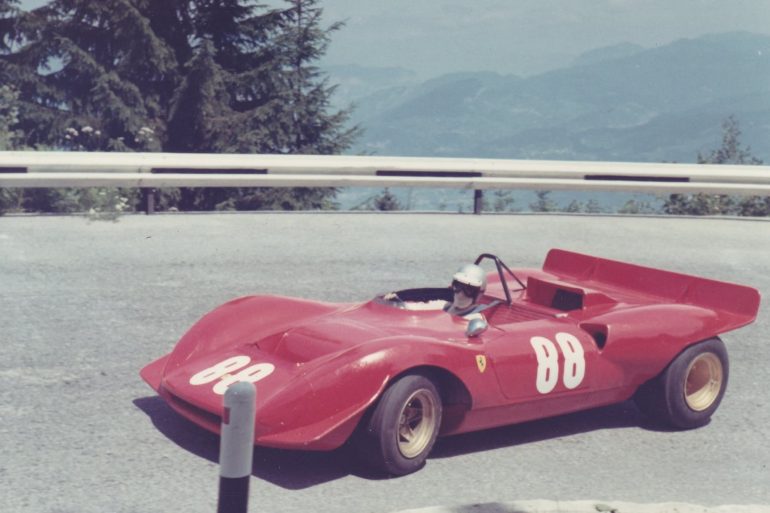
(608,53)
(618,103)
(354,82)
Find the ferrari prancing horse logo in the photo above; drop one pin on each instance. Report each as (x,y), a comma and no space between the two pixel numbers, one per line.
(481,362)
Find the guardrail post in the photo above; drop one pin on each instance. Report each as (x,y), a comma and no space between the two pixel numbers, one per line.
(478,201)
(148,200)
(236,448)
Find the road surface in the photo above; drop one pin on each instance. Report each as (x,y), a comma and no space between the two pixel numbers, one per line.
(84,305)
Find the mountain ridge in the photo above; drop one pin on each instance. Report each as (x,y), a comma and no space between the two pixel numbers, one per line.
(618,103)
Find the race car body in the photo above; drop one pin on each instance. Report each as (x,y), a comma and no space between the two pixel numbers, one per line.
(398,370)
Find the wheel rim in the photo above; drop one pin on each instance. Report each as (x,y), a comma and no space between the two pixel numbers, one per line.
(703,382)
(417,423)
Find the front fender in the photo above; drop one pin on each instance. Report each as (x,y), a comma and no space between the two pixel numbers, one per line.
(242,321)
(345,385)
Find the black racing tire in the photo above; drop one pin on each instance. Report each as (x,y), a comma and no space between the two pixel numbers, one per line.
(688,392)
(401,429)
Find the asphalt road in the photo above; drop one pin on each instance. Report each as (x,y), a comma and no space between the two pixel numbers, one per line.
(84,305)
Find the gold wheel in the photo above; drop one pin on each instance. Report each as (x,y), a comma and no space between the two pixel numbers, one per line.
(703,381)
(417,423)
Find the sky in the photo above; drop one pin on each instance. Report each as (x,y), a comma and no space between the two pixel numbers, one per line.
(522,37)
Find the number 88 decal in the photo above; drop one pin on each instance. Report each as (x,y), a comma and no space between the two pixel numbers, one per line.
(222,370)
(548,362)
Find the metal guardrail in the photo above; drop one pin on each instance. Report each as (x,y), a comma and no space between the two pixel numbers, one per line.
(158,170)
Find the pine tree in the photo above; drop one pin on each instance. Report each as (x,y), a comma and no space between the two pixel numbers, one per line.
(9,118)
(10,199)
(543,203)
(307,93)
(730,152)
(176,75)
(386,201)
(503,201)
(86,64)
(299,118)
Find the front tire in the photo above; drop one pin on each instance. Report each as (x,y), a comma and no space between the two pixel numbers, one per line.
(687,393)
(403,426)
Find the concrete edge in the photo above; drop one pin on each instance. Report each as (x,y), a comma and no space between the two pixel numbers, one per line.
(85,215)
(589,506)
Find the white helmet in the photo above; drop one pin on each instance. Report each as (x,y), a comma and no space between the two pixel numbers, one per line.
(472,277)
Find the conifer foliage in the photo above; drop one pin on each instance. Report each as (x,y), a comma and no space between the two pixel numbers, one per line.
(221,76)
(731,151)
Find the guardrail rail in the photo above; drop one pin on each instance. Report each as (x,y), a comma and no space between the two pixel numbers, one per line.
(148,171)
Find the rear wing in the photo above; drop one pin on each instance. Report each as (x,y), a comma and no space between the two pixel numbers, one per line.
(665,286)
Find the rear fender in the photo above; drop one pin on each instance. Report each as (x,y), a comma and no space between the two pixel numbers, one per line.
(641,341)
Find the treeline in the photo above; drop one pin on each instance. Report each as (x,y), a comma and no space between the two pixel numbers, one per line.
(193,76)
(209,76)
(731,151)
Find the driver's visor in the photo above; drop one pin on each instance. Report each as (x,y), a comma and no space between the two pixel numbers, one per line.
(468,290)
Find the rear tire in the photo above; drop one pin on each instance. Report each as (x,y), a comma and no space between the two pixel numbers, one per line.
(402,428)
(687,393)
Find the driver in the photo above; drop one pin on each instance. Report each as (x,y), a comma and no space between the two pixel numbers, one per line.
(468,284)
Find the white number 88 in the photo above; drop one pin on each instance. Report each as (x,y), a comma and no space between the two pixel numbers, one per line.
(222,370)
(548,362)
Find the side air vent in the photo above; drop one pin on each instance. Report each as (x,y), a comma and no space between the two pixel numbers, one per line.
(599,332)
(566,300)
(559,296)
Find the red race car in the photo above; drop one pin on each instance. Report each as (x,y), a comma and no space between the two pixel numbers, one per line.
(393,373)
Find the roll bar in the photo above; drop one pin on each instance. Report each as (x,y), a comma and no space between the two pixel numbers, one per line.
(500,266)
